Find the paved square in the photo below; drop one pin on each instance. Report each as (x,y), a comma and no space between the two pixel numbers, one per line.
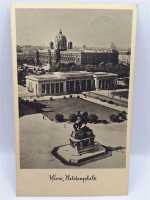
(39,136)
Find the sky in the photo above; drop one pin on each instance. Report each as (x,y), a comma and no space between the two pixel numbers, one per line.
(93,28)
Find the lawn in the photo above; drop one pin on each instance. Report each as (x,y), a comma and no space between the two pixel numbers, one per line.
(72,105)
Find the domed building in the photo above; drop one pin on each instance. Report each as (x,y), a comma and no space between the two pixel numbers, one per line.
(61,41)
(62,51)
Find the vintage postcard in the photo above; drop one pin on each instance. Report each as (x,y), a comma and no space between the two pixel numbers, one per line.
(73,83)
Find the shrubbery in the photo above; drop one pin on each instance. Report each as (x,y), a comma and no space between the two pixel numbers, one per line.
(123,114)
(59,117)
(92,118)
(113,118)
(120,117)
(51,99)
(72,117)
(110,102)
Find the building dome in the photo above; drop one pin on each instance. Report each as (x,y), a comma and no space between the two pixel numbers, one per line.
(61,41)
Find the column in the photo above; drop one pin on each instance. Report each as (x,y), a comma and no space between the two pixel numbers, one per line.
(37,89)
(80,85)
(101,86)
(50,88)
(105,84)
(96,83)
(45,89)
(64,87)
(55,88)
(74,86)
(40,89)
(58,88)
(114,83)
(86,83)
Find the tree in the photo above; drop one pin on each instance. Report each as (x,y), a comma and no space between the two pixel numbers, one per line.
(120,117)
(92,118)
(51,99)
(113,118)
(123,115)
(72,117)
(59,117)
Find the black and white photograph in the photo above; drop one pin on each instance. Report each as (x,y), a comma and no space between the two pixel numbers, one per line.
(73,73)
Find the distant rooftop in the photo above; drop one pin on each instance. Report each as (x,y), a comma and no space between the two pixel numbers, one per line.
(68,75)
(79,50)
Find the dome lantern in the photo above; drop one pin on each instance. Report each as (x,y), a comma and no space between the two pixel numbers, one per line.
(61,41)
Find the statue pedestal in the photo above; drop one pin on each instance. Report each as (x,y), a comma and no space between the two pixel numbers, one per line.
(82,148)
(82,145)
(69,155)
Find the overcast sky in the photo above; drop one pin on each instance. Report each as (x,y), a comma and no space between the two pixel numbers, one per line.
(94,28)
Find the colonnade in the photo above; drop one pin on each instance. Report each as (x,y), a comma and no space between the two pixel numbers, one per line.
(75,86)
(104,84)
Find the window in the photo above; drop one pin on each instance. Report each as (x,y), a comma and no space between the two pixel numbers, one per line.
(43,88)
(71,86)
(89,85)
(83,84)
(52,88)
(68,86)
(47,88)
(61,87)
(99,83)
(77,86)
(57,88)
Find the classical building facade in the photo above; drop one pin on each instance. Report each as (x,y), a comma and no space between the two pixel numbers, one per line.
(124,57)
(60,83)
(62,51)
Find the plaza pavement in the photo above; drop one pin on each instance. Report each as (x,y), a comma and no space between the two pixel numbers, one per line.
(109,93)
(39,136)
(108,105)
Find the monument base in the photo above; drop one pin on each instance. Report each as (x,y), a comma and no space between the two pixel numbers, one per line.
(68,155)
